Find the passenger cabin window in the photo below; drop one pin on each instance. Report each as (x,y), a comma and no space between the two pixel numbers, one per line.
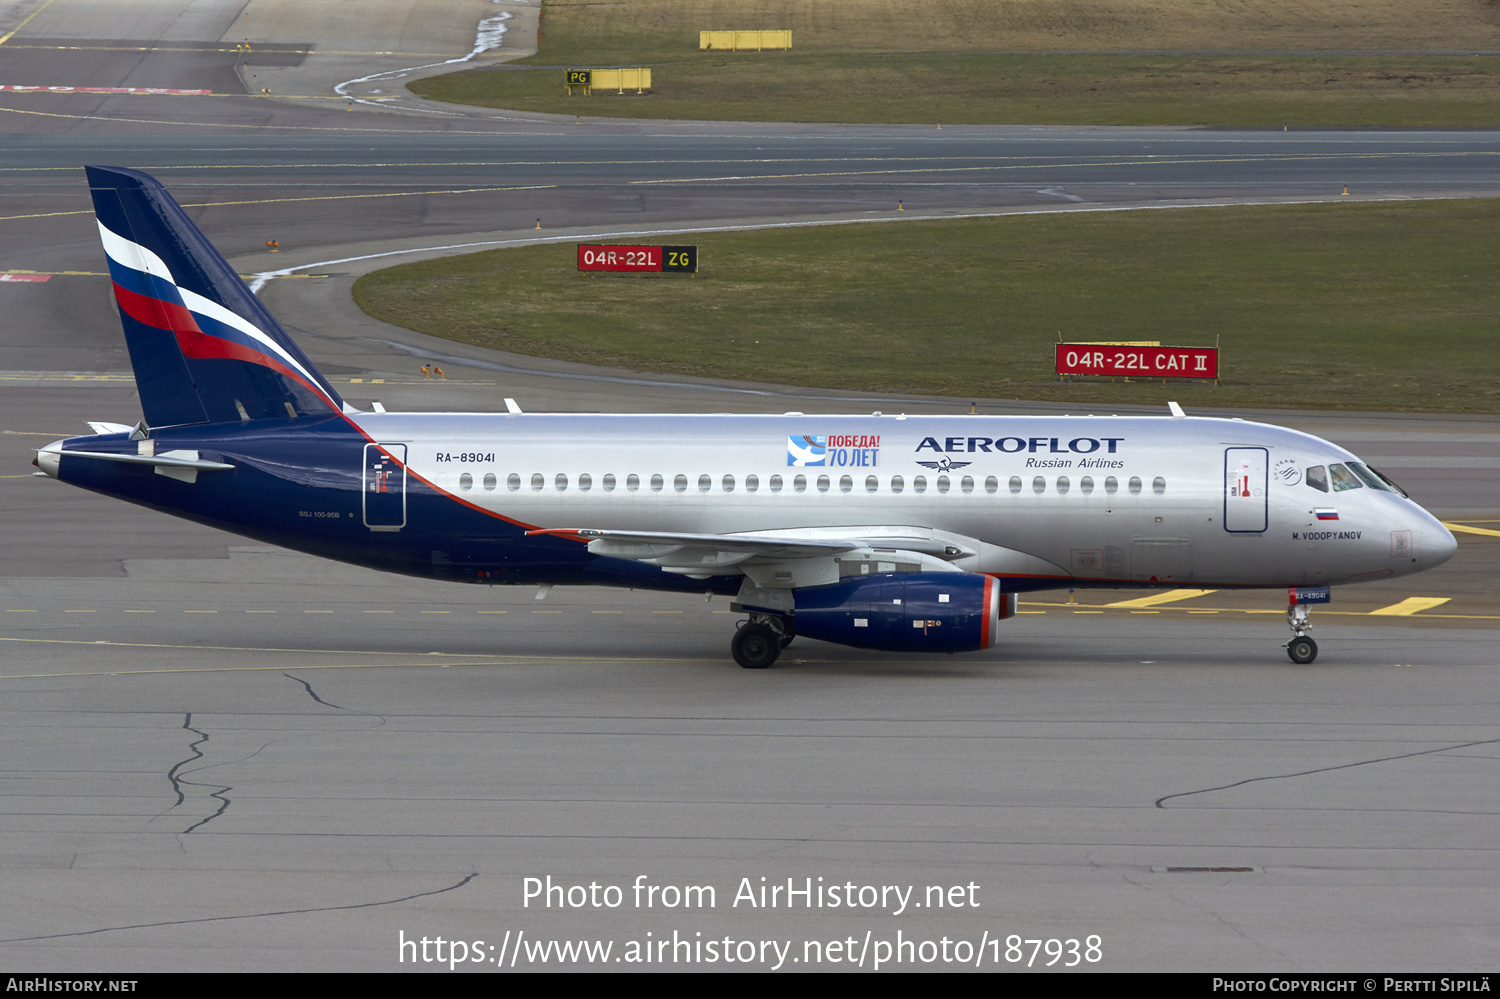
(919,484)
(609,483)
(656,483)
(897,483)
(679,483)
(1317,477)
(775,483)
(538,481)
(466,481)
(1111,484)
(1063,485)
(728,483)
(871,483)
(513,481)
(991,484)
(845,483)
(752,482)
(799,484)
(1039,485)
(1158,485)
(632,482)
(1015,483)
(822,483)
(942,484)
(705,483)
(1086,484)
(585,482)
(561,482)
(1342,478)
(490,481)
(966,484)
(1135,485)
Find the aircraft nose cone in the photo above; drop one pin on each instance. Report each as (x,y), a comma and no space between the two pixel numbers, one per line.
(1438,544)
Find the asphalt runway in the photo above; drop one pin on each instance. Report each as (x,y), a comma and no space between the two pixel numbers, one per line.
(220,756)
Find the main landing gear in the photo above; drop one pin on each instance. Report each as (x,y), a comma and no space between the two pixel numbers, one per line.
(1302,649)
(760,640)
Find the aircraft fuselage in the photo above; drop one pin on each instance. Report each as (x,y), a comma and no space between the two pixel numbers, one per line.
(1051,501)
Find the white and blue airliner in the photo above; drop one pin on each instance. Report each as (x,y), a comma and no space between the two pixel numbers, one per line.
(900,533)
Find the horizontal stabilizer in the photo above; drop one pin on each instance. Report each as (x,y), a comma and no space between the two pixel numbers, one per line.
(182,465)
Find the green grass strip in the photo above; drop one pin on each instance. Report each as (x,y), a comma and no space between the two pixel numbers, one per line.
(1042,89)
(1379,306)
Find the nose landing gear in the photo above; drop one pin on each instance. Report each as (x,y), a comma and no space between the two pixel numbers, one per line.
(1302,649)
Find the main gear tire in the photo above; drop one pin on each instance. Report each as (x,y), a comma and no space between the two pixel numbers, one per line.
(755,646)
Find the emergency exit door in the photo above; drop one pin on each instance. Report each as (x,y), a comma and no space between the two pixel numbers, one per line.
(1246,472)
(384,487)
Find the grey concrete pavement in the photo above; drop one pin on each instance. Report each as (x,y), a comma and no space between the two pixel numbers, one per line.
(216,756)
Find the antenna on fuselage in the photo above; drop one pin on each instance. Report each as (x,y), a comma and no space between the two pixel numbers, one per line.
(1177,413)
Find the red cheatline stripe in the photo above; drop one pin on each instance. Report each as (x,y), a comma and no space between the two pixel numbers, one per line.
(571,533)
(154,312)
(197,344)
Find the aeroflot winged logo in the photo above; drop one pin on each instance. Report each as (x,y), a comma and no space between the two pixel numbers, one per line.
(945,465)
(828,450)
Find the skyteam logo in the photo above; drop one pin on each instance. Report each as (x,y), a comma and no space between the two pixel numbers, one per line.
(803,451)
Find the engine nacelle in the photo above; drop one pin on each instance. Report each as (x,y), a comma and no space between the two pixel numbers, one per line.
(906,612)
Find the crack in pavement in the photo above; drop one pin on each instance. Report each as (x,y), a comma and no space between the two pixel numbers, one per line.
(248,915)
(179,779)
(314,695)
(1322,770)
(187,723)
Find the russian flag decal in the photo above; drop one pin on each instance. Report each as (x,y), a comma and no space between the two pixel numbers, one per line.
(1327,514)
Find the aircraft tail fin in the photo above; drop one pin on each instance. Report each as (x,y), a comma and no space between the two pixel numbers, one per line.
(203,348)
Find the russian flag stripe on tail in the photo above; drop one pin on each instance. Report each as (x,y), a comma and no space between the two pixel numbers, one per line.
(203,347)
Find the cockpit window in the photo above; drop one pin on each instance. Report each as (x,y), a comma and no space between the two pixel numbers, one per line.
(1317,477)
(1368,476)
(1343,478)
(1390,482)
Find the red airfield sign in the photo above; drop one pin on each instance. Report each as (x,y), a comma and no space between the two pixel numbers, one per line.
(594,257)
(1145,362)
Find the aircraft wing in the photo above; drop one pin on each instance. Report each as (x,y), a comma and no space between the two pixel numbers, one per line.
(701,552)
(788,558)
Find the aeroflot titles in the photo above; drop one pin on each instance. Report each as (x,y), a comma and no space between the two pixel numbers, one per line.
(1012,445)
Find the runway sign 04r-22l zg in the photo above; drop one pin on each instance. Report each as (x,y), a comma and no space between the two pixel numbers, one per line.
(679,259)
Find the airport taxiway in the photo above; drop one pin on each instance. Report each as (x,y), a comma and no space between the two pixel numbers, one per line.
(218,756)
